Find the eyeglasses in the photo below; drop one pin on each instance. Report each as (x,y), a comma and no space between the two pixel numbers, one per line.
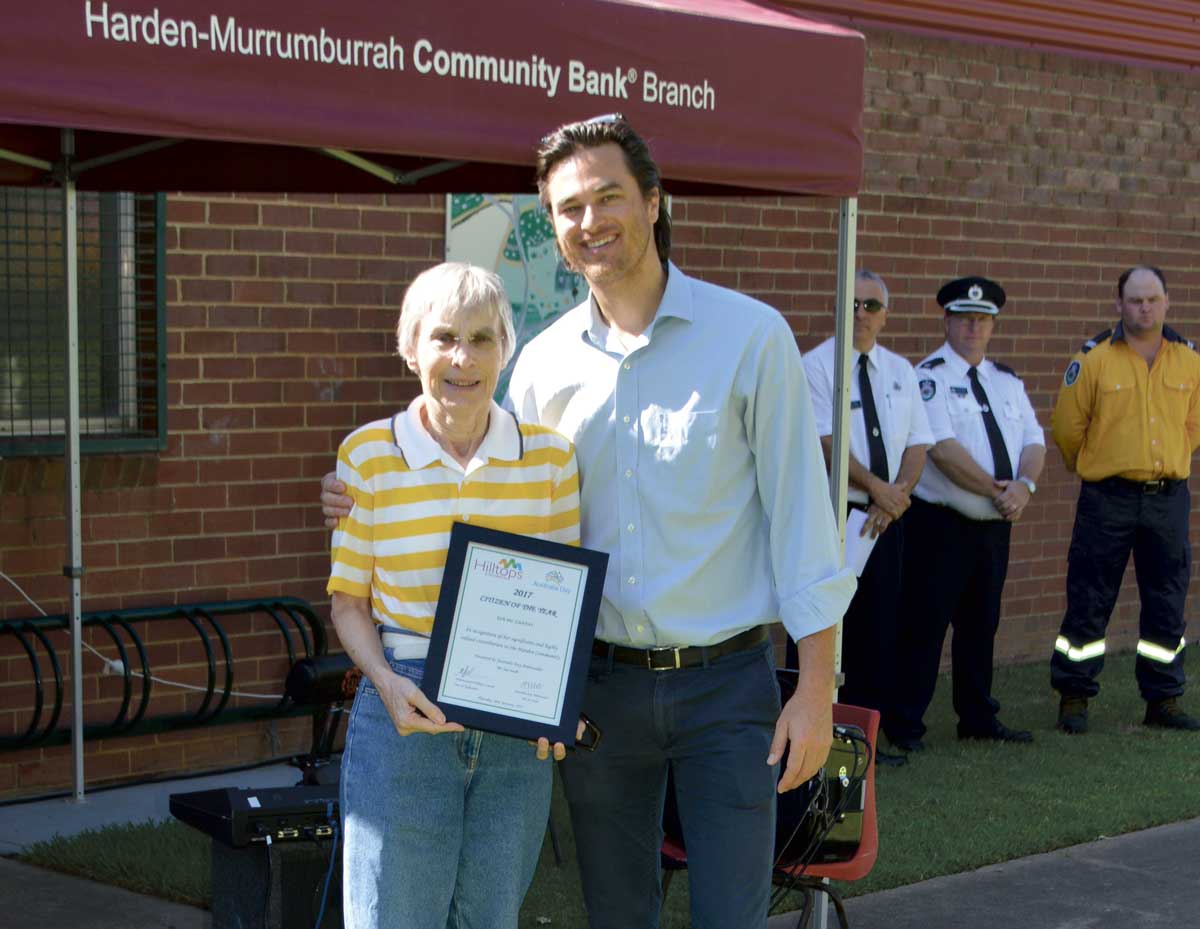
(871,305)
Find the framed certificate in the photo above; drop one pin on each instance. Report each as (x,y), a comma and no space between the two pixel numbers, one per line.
(513,633)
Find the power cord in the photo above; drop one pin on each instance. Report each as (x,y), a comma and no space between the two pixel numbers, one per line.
(818,804)
(335,821)
(266,919)
(118,667)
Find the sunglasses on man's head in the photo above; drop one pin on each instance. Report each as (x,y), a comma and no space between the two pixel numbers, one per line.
(871,305)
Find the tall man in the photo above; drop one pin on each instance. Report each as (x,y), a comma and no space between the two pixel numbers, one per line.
(701,476)
(889,435)
(982,472)
(1127,421)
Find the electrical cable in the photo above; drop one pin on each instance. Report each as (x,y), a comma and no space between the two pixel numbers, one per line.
(266,920)
(116,666)
(335,822)
(796,879)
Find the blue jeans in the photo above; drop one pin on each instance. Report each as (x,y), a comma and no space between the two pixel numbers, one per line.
(713,726)
(442,831)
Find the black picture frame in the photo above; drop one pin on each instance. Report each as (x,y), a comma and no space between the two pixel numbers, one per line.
(463,538)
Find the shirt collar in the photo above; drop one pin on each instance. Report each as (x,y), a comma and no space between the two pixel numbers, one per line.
(502,442)
(1169,334)
(676,301)
(959,365)
(872,356)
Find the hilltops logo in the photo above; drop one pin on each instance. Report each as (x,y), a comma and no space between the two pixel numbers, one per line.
(508,568)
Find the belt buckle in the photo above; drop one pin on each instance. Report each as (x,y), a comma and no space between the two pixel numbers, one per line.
(1153,487)
(671,654)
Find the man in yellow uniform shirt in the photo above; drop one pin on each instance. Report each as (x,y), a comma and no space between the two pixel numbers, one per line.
(1127,421)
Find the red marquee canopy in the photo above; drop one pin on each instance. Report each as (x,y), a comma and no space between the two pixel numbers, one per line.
(331,96)
(733,96)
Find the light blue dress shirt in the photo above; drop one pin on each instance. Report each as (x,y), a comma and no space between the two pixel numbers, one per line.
(701,472)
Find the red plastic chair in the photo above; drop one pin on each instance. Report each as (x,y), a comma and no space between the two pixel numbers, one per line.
(674,856)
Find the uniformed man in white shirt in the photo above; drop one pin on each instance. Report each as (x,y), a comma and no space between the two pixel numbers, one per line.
(889,436)
(982,473)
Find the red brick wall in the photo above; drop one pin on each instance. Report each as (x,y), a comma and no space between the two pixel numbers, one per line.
(1049,174)
(280,313)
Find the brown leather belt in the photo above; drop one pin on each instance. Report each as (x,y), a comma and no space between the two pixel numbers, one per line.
(689,656)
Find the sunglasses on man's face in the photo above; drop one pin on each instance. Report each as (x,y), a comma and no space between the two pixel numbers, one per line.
(871,305)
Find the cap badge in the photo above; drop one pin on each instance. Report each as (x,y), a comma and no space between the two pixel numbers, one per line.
(976,292)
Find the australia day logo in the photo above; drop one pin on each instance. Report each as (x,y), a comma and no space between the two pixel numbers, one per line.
(554,580)
(508,568)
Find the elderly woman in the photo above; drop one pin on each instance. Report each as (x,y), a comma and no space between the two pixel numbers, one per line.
(443,824)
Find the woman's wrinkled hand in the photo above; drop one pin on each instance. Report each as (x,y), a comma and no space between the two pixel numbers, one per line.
(411,711)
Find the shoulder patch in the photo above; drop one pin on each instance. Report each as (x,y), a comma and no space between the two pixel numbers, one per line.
(1096,340)
(1005,368)
(928,388)
(1072,373)
(932,362)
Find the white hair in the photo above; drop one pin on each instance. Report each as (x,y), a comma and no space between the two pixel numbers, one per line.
(457,285)
(865,275)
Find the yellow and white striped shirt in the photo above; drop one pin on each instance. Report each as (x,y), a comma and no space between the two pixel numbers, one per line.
(408,491)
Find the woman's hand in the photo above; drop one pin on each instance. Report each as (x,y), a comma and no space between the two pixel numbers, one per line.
(560,750)
(411,711)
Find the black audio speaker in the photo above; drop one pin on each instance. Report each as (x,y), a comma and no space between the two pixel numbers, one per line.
(275,887)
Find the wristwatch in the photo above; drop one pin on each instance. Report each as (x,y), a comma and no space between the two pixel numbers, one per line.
(1028,482)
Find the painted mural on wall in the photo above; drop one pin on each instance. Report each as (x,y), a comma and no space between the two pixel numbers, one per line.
(511,235)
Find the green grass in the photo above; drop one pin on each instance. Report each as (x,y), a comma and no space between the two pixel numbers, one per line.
(955,807)
(164,859)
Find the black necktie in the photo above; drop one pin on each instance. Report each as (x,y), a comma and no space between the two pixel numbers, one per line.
(995,439)
(879,462)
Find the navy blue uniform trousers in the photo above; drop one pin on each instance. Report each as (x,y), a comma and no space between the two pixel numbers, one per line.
(953,574)
(1115,517)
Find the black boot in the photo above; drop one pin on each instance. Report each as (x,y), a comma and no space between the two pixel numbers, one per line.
(1168,714)
(1073,714)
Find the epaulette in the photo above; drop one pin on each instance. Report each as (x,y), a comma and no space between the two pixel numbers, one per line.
(1095,340)
(1172,336)
(1005,368)
(932,362)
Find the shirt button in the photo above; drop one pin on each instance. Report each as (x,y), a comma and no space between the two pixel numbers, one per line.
(627,367)
(466,517)
(630,527)
(631,580)
(628,472)
(641,628)
(625,419)
(1152,419)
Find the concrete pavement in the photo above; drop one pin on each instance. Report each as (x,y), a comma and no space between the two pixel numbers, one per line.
(1143,880)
